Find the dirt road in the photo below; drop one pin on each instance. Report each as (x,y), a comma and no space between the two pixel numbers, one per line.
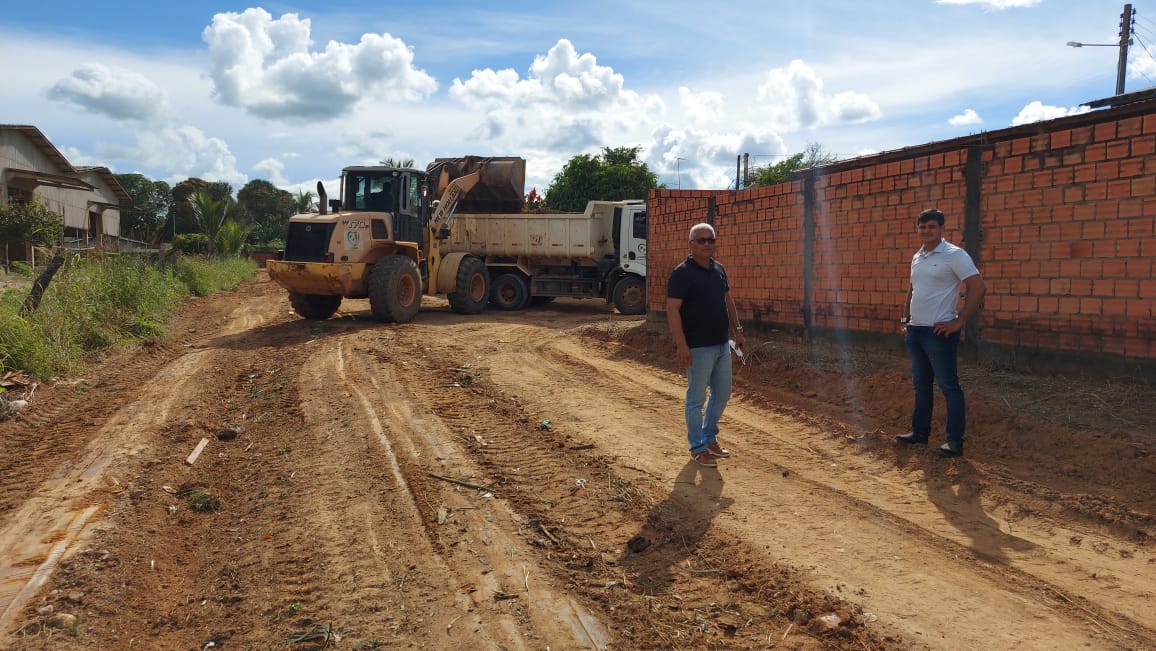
(520,481)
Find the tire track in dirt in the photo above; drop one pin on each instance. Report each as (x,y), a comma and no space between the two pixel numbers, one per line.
(424,445)
(692,582)
(849,484)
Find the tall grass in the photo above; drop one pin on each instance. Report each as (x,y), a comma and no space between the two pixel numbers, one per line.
(96,305)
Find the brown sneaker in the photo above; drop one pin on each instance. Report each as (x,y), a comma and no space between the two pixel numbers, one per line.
(704,459)
(718,451)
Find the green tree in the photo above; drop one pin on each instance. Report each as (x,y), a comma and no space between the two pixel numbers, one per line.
(265,209)
(812,156)
(148,205)
(29,222)
(614,175)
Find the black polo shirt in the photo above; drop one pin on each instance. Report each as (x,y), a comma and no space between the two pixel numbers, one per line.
(705,321)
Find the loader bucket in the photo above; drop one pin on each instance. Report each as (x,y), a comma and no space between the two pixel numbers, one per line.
(501,186)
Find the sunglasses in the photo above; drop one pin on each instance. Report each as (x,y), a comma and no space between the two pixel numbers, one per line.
(704,240)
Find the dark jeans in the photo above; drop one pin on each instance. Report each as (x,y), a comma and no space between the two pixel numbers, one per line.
(933,358)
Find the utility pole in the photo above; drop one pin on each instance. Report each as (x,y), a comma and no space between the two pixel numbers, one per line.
(678,169)
(1125,39)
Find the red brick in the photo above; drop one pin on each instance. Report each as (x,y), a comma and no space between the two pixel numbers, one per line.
(1104,131)
(1144,146)
(1118,149)
(1069,305)
(1096,191)
(1150,123)
(1113,307)
(1120,189)
(1128,288)
(1129,127)
(1095,153)
(1137,348)
(1130,167)
(1061,139)
(1139,308)
(1080,249)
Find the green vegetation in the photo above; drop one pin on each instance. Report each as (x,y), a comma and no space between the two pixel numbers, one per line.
(29,222)
(102,304)
(615,175)
(783,171)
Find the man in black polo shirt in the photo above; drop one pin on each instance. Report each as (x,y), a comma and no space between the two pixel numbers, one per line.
(701,313)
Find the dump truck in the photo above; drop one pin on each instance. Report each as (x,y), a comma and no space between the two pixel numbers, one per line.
(390,237)
(535,257)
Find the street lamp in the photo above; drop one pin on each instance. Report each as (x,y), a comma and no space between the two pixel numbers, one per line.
(1125,41)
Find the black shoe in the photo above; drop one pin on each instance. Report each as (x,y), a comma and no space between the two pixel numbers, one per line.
(951,449)
(911,438)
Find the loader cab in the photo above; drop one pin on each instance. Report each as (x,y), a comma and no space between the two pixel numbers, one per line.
(394,191)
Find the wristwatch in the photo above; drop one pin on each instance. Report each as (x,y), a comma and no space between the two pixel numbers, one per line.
(738,328)
(905,319)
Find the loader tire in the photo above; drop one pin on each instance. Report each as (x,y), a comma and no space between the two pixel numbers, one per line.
(314,306)
(471,287)
(630,295)
(394,289)
(509,292)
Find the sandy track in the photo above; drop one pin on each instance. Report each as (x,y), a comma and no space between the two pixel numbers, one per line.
(511,480)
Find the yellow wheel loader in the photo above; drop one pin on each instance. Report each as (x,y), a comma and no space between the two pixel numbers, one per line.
(381,239)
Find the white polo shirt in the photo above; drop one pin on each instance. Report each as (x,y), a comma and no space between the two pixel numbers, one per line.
(935,280)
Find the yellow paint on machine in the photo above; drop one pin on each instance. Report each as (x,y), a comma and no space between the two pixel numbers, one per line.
(325,278)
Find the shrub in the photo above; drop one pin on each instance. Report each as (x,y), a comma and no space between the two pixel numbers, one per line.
(99,304)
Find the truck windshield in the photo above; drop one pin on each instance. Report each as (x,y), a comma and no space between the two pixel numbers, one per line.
(365,192)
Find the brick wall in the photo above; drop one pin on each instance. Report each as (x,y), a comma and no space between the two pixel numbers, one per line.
(1060,217)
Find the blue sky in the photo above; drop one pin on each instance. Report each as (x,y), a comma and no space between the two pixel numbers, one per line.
(293,92)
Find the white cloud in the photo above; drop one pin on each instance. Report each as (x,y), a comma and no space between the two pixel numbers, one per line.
(273,171)
(182,151)
(698,158)
(1142,64)
(967,118)
(702,108)
(566,102)
(114,92)
(266,67)
(1037,111)
(793,99)
(992,4)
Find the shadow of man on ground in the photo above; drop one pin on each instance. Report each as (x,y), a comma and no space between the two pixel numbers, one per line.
(956,490)
(674,527)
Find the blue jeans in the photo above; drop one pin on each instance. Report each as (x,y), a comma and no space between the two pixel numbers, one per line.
(933,358)
(710,366)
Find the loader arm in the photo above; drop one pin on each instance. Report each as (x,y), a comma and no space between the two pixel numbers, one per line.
(439,221)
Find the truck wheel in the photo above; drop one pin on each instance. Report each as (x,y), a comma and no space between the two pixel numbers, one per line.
(630,295)
(394,289)
(509,292)
(314,306)
(471,287)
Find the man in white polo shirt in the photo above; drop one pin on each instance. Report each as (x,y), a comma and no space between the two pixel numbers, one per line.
(932,326)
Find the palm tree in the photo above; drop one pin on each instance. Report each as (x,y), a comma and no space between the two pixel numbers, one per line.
(396,162)
(210,215)
(303,202)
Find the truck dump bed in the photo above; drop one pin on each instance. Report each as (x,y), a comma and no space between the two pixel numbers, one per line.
(583,238)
